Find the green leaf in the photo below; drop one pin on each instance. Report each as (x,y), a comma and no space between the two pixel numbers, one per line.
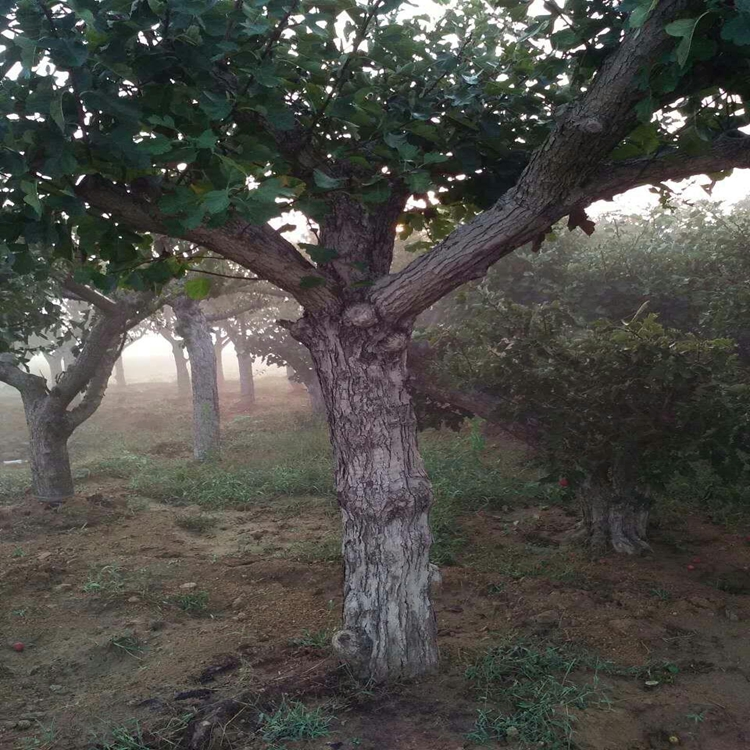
(198,288)
(310,282)
(737,30)
(685,28)
(156,146)
(216,201)
(324,181)
(419,182)
(320,255)
(56,110)
(215,106)
(31,196)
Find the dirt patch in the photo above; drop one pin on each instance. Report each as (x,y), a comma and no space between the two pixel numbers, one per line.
(127,616)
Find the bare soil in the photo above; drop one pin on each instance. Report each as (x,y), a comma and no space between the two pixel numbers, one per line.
(92,592)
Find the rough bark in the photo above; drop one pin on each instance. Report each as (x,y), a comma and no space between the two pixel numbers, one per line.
(389,629)
(247,381)
(120,373)
(615,514)
(315,393)
(193,327)
(49,430)
(218,351)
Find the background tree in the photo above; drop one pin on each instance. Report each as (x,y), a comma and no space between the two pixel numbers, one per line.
(205,121)
(616,408)
(50,416)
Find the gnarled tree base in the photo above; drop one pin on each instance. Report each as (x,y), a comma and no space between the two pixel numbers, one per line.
(614,518)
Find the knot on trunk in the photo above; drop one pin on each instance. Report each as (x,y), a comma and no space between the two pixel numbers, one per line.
(361,316)
(394,342)
(590,125)
(353,647)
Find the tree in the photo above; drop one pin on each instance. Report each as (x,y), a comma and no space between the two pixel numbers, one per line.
(204,121)
(49,415)
(192,327)
(163,322)
(617,408)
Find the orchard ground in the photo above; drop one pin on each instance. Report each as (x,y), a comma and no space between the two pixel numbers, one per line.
(173,604)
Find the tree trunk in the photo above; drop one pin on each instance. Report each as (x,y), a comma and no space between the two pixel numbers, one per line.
(247,381)
(615,514)
(389,629)
(218,351)
(314,391)
(51,477)
(180,363)
(120,373)
(193,328)
(55,364)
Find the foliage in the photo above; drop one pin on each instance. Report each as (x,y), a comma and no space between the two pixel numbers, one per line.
(192,602)
(188,103)
(635,398)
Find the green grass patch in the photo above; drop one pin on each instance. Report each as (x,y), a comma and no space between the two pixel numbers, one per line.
(196,523)
(193,602)
(13,484)
(221,486)
(292,720)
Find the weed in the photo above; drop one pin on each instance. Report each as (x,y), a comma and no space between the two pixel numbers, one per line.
(45,739)
(18,552)
(19,612)
(697,718)
(294,721)
(318,639)
(127,643)
(192,602)
(105,580)
(197,523)
(533,684)
(126,737)
(661,594)
(137,504)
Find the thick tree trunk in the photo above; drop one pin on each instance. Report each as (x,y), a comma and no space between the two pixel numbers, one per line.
(314,391)
(615,514)
(49,430)
(389,629)
(193,328)
(120,373)
(218,351)
(180,363)
(247,381)
(55,364)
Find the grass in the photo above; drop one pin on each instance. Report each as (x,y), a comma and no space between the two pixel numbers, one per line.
(196,523)
(320,640)
(105,580)
(126,644)
(13,483)
(292,720)
(192,602)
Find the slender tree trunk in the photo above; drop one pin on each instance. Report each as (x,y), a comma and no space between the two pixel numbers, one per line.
(247,381)
(389,629)
(193,327)
(55,364)
(615,514)
(51,477)
(218,351)
(180,363)
(120,373)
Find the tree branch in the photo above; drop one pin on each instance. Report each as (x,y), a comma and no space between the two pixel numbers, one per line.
(581,140)
(259,248)
(729,151)
(16,377)
(81,291)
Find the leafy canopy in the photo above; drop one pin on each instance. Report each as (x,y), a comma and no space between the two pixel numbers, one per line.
(608,394)
(216,110)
